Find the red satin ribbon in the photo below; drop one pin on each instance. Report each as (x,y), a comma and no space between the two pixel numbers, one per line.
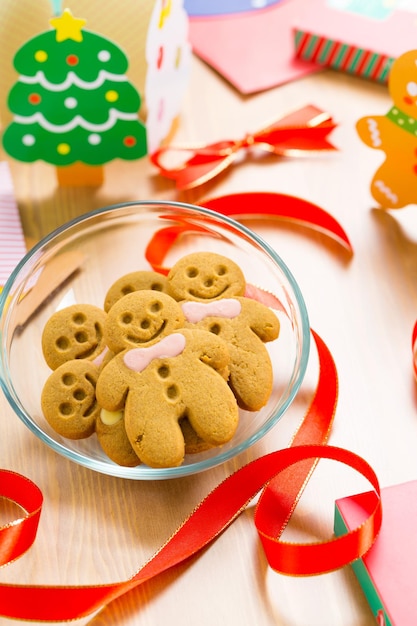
(17,537)
(280,476)
(212,517)
(249,204)
(270,204)
(305,129)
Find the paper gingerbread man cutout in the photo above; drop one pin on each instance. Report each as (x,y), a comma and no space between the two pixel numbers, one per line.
(394,184)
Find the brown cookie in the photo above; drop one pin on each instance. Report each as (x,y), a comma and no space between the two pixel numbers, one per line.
(111,435)
(203,276)
(135,281)
(141,318)
(193,443)
(245,325)
(180,376)
(69,399)
(75,332)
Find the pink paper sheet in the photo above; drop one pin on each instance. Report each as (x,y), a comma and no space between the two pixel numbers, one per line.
(386,27)
(390,567)
(254,51)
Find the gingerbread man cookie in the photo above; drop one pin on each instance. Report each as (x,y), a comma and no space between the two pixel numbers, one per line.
(141,318)
(111,435)
(203,276)
(68,399)
(394,184)
(206,282)
(75,332)
(245,325)
(160,384)
(135,281)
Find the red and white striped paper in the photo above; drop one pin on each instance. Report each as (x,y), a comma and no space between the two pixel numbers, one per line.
(12,241)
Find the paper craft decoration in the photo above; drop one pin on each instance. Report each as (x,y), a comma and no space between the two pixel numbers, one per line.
(387,573)
(224,7)
(354,36)
(414,348)
(12,241)
(74,105)
(72,101)
(394,185)
(254,49)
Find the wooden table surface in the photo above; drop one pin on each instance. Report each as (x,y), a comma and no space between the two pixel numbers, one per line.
(99,529)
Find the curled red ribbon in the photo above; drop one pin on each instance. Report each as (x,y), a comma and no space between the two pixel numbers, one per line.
(249,204)
(266,204)
(305,129)
(280,476)
(18,536)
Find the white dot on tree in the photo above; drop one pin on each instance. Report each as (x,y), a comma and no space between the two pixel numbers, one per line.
(94,139)
(28,140)
(70,103)
(104,55)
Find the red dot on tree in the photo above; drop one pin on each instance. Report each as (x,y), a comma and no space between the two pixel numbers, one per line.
(129,141)
(72,59)
(160,57)
(34,98)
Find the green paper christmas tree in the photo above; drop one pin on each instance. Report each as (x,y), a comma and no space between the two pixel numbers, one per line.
(73,103)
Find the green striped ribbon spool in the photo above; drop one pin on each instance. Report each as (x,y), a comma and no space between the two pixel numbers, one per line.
(342,56)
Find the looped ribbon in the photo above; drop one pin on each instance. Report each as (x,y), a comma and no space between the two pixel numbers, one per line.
(257,204)
(304,130)
(279,477)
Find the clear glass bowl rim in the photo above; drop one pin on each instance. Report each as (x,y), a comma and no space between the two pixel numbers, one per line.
(142,472)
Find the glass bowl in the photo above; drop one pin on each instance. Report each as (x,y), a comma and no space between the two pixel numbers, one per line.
(79,261)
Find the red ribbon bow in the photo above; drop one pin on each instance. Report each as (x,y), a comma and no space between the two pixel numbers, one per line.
(305,129)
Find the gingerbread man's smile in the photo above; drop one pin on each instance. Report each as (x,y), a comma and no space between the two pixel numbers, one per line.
(208,296)
(137,339)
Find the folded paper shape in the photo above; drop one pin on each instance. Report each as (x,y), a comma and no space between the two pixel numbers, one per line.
(225,7)
(361,38)
(12,240)
(253,50)
(387,573)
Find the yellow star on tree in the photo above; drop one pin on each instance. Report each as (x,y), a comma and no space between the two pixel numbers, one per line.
(67,26)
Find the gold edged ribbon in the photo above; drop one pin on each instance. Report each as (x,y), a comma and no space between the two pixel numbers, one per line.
(304,130)
(256,204)
(280,477)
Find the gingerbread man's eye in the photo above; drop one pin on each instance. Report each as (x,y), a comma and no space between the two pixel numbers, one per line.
(412,88)
(192,272)
(127,318)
